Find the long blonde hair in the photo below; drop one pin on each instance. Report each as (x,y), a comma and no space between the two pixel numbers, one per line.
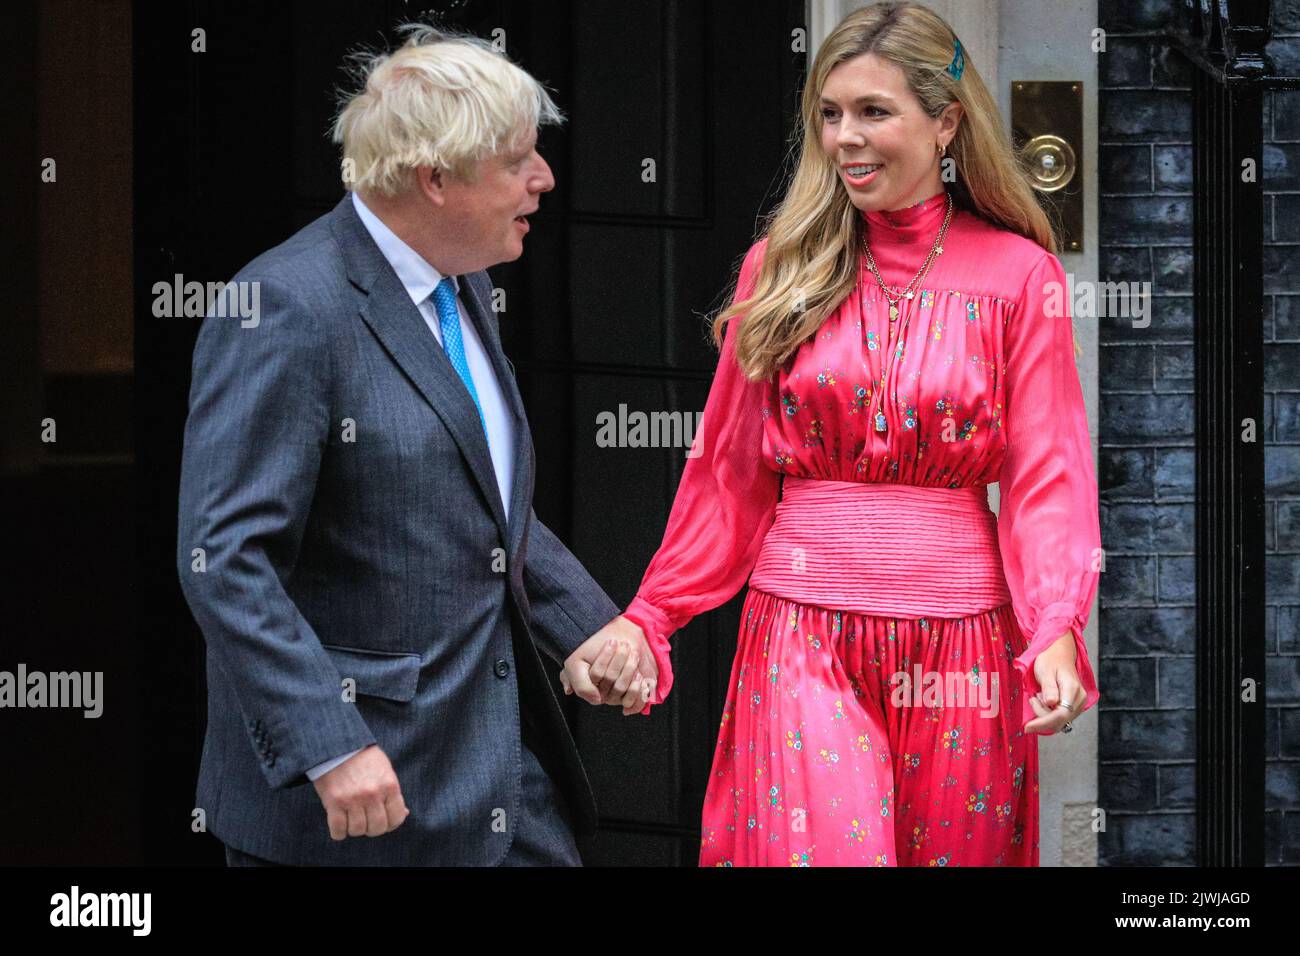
(813,235)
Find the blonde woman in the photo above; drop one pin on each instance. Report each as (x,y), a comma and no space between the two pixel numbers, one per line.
(895,344)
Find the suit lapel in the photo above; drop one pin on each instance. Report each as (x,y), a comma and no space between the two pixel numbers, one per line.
(397,323)
(487,333)
(522,487)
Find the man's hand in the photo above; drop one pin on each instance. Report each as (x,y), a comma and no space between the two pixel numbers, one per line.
(362,796)
(614,666)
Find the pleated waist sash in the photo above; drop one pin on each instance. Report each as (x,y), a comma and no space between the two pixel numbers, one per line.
(883,549)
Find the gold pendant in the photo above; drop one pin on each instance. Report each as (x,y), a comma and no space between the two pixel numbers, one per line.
(893,313)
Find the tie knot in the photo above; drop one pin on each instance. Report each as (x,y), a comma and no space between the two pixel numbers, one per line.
(446,289)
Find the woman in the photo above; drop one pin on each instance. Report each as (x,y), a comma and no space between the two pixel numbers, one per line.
(900,646)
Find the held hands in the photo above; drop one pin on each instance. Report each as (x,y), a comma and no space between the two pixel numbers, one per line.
(614,666)
(362,796)
(1059,682)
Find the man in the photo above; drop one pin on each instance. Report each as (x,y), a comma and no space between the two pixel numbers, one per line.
(356,537)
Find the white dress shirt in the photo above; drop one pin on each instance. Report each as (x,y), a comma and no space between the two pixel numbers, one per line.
(419,279)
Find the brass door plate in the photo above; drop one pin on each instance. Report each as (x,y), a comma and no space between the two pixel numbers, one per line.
(1047,133)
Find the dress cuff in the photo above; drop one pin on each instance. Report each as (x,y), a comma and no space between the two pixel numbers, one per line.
(657,627)
(1054,622)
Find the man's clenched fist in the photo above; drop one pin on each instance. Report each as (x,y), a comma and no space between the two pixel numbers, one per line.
(362,796)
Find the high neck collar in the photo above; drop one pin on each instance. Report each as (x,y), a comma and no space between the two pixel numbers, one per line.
(911,224)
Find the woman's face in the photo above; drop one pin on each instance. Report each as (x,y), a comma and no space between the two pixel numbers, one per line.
(884,147)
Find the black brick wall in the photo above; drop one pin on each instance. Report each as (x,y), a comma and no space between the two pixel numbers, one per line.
(1147,619)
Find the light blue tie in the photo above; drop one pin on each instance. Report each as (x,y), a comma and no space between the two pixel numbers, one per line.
(444,300)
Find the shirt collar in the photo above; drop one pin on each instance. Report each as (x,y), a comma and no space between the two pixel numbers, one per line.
(417,276)
(917,223)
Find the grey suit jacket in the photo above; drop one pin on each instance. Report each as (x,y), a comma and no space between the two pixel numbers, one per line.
(340,519)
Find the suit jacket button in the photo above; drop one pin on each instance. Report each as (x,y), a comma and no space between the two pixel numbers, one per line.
(502,668)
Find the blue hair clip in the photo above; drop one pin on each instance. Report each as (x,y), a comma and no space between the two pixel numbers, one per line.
(958,64)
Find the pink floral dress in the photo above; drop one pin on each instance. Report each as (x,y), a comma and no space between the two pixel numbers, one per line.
(882,679)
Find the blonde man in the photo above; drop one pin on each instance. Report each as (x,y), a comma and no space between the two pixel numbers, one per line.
(358,477)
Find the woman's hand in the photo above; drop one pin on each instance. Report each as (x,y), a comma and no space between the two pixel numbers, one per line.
(1059,681)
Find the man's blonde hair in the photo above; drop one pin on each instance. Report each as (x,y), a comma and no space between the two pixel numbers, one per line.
(442,99)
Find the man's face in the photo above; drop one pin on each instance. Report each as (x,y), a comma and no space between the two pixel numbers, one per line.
(487,215)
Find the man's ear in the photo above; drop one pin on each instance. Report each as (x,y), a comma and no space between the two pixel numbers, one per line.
(431,183)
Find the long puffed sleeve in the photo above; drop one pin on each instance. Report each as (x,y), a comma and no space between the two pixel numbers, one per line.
(725,503)
(1048,530)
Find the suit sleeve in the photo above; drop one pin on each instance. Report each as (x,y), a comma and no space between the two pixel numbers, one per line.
(725,503)
(1048,529)
(567,605)
(257,428)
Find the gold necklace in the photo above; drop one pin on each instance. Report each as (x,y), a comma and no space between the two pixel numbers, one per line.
(878,398)
(936,250)
(908,292)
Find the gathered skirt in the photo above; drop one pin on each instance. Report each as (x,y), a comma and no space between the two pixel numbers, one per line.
(826,756)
